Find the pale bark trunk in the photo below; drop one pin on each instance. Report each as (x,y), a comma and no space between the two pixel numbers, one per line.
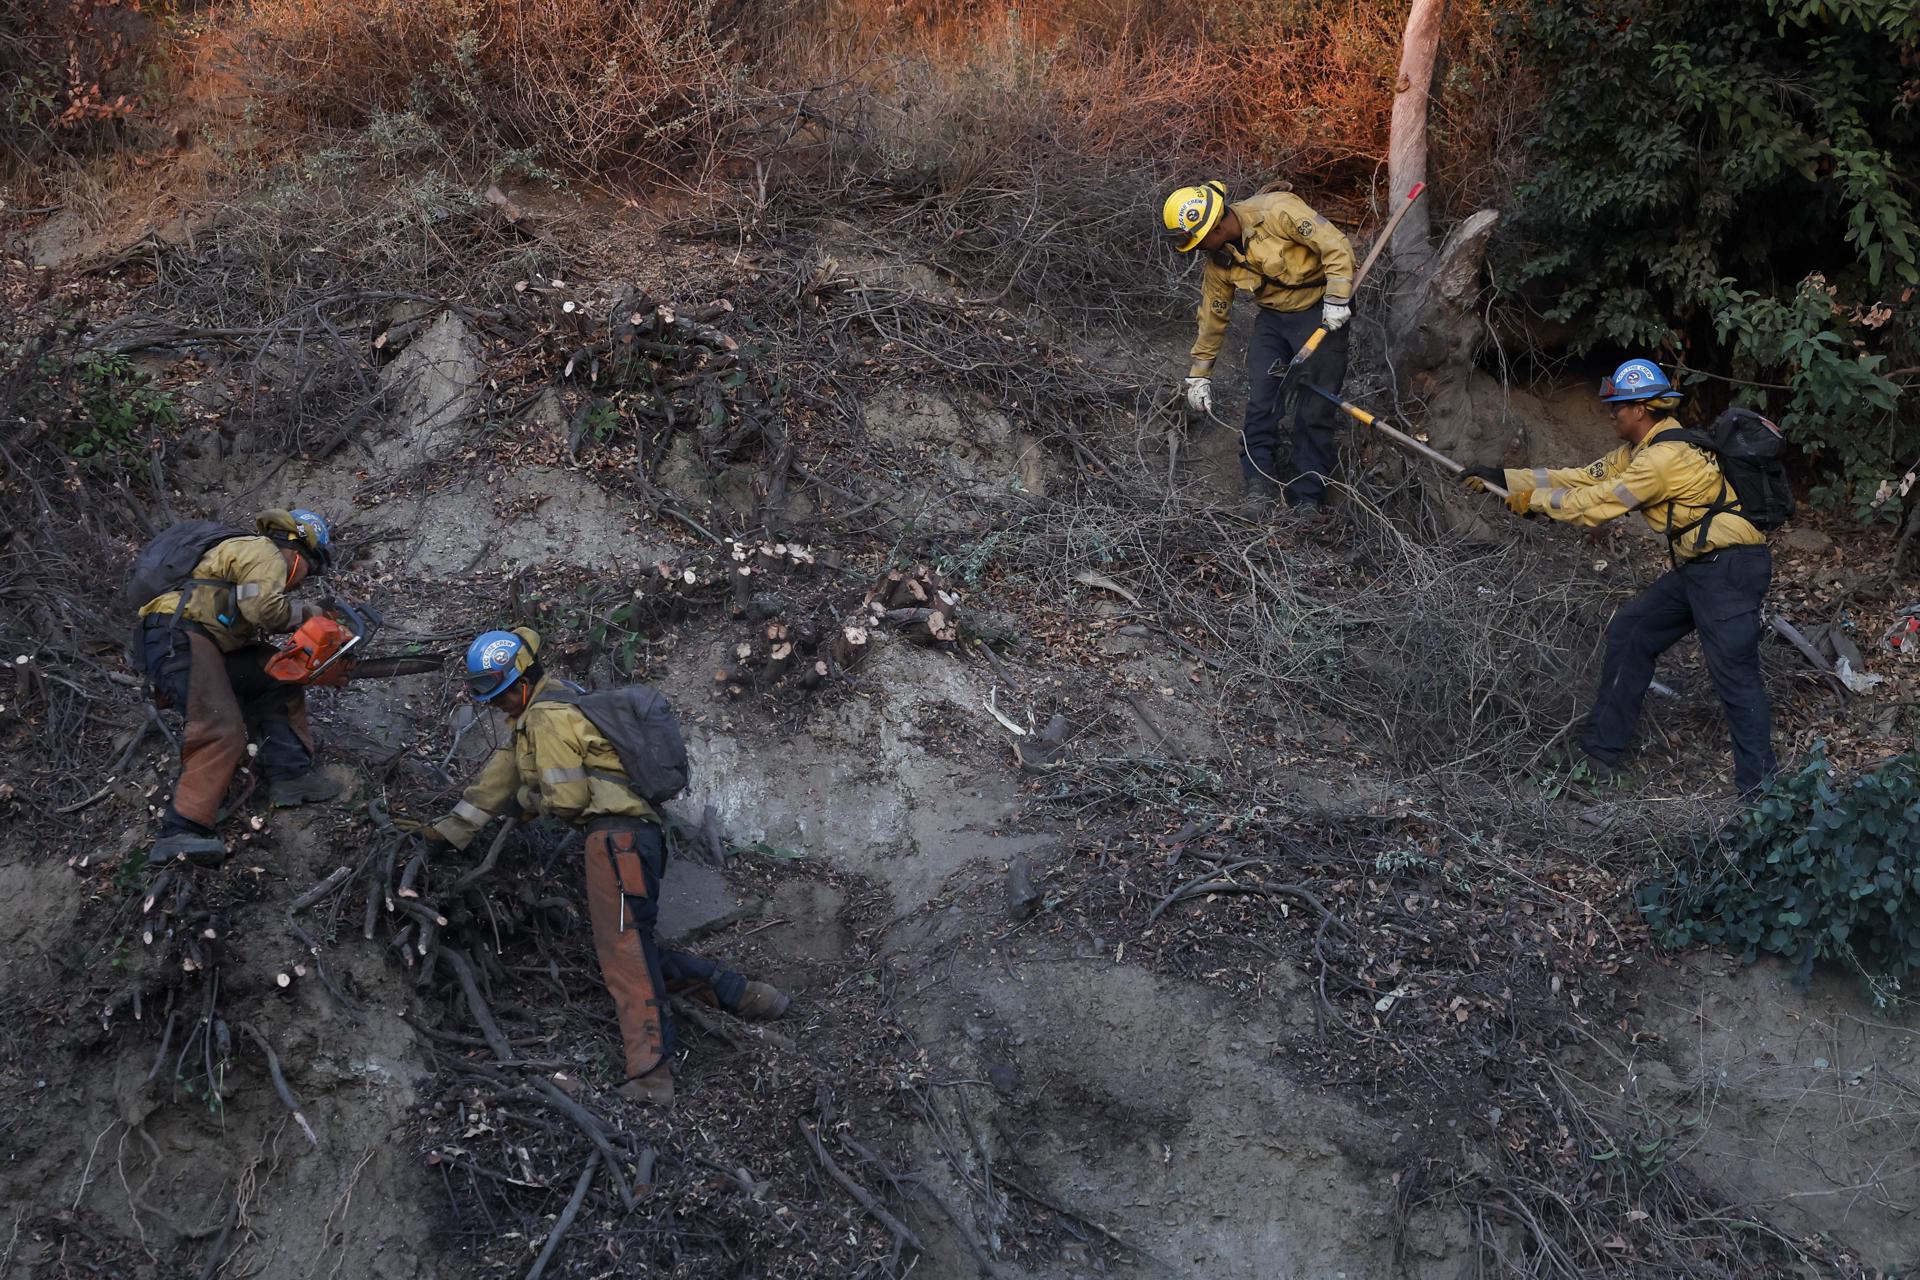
(1407,132)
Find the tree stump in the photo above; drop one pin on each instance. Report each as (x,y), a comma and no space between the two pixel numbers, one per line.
(1434,333)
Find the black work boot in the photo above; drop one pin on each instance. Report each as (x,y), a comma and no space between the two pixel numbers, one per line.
(1575,759)
(1258,498)
(656,1087)
(311,787)
(762,1002)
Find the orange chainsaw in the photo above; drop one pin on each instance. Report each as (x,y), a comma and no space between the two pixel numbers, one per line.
(323,652)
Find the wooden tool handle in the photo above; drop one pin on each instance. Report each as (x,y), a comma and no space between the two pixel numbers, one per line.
(1386,234)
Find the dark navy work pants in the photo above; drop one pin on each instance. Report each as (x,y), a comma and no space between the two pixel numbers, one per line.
(1277,335)
(1719,596)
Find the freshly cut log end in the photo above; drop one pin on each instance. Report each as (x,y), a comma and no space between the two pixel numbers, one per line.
(850,645)
(779,663)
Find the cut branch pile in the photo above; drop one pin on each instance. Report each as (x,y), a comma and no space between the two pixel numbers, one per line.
(918,603)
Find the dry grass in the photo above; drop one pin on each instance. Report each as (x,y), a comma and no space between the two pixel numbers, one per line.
(593,87)
(961,93)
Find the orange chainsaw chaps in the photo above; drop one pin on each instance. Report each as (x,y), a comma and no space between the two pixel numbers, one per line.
(311,646)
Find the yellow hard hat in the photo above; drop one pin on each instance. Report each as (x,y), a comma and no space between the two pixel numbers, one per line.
(1191,212)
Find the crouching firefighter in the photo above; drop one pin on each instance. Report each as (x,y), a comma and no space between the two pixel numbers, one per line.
(208,594)
(1710,493)
(602,762)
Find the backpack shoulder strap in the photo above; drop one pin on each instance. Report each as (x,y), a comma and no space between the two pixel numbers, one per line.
(1719,506)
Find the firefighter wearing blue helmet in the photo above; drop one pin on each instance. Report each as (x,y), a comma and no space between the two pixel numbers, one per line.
(1721,567)
(564,765)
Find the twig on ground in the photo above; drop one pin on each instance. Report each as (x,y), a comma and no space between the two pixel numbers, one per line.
(567,1215)
(287,1099)
(901,1231)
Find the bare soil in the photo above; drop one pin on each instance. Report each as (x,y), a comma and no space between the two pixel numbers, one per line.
(1157,1069)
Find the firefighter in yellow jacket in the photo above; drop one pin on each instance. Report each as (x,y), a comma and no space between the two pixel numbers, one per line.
(1721,568)
(203,646)
(560,766)
(1299,269)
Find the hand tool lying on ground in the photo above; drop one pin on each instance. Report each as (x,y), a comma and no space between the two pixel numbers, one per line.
(1312,344)
(1398,436)
(323,651)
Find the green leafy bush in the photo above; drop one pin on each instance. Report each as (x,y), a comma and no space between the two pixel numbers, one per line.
(118,410)
(1816,869)
(1726,184)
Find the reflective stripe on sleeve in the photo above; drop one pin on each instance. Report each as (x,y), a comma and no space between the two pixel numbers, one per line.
(246,591)
(1626,497)
(1555,498)
(555,777)
(469,813)
(1540,477)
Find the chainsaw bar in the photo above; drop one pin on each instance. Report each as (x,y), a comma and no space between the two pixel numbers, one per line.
(387,668)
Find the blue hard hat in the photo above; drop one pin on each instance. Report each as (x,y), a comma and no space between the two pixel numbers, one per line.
(1634,381)
(315,534)
(494,661)
(315,524)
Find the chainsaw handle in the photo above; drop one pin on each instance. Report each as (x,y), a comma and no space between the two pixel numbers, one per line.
(363,619)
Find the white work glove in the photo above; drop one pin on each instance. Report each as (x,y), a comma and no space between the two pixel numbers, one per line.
(1200,395)
(1335,314)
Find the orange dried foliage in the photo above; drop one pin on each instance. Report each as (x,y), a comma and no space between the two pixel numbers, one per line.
(1296,89)
(1300,90)
(591,84)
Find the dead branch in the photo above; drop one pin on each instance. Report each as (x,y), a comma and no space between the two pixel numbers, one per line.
(480,872)
(580,1188)
(320,891)
(279,1079)
(901,1231)
(476,1006)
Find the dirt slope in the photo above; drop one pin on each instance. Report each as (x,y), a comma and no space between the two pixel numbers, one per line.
(1144,1072)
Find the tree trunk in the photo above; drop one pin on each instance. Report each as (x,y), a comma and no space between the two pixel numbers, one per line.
(1435,332)
(1407,132)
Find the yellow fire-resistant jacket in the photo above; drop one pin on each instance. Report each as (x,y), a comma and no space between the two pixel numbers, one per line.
(1669,483)
(1290,259)
(257,605)
(558,765)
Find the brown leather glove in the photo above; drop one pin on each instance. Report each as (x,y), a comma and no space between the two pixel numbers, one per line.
(1478,478)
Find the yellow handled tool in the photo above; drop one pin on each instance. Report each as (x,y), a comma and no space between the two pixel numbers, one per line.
(1398,436)
(1312,344)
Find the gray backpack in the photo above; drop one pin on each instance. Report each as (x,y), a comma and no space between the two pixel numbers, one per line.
(167,563)
(641,725)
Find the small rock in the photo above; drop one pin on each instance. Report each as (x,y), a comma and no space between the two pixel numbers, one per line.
(693,898)
(1811,541)
(1022,897)
(1004,1078)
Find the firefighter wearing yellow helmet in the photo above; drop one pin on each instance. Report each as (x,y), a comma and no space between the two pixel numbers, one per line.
(1299,269)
